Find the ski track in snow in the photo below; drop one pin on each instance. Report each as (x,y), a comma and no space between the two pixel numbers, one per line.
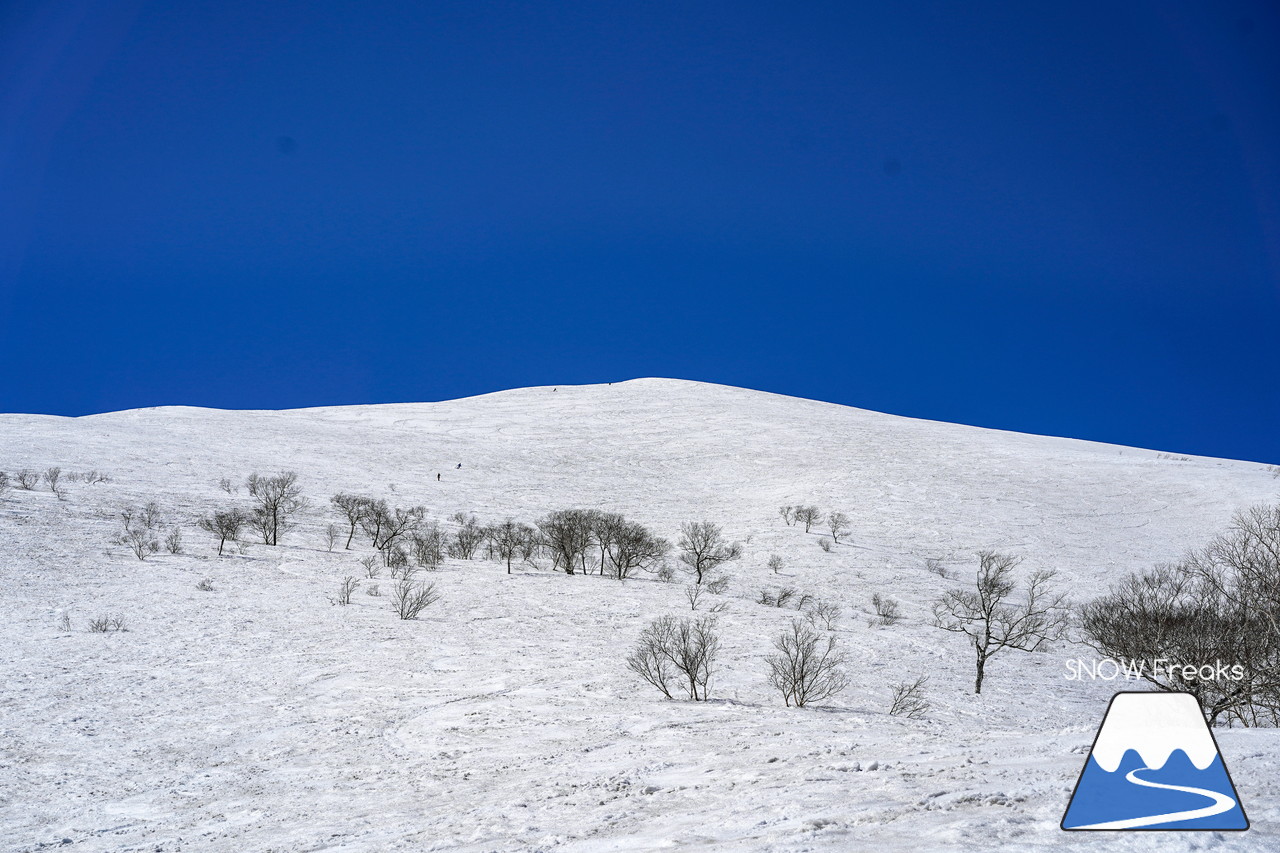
(257,717)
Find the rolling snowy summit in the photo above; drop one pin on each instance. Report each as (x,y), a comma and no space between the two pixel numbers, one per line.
(257,716)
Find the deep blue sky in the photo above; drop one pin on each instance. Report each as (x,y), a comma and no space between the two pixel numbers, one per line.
(1055,218)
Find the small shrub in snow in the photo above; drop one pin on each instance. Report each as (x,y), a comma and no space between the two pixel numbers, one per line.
(330,536)
(777,598)
(64,623)
(775,563)
(908,699)
(345,590)
(718,585)
(27,480)
(53,478)
(94,477)
(173,542)
(694,593)
(886,608)
(788,514)
(205,585)
(824,613)
(806,668)
(934,565)
(106,623)
(666,572)
(409,598)
(677,654)
(373,590)
(370,564)
(227,486)
(825,544)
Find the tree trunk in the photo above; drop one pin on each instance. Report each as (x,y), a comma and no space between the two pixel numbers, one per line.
(982,665)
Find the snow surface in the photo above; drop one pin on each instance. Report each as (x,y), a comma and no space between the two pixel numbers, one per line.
(1154,730)
(258,717)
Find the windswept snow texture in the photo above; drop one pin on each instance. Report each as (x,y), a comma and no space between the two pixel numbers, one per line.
(258,717)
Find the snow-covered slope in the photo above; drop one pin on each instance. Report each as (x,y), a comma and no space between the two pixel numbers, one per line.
(259,717)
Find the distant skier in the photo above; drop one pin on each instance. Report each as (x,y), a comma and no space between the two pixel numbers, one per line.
(437,478)
(459,464)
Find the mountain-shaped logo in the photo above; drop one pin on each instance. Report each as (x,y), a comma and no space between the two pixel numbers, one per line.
(1154,765)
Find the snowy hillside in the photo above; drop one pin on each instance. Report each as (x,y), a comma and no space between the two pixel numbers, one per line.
(257,716)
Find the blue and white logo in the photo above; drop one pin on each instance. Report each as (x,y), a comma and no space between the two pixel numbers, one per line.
(1154,765)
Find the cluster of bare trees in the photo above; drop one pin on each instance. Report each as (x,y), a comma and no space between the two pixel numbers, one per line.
(678,655)
(810,516)
(140,528)
(54,478)
(1211,619)
(590,541)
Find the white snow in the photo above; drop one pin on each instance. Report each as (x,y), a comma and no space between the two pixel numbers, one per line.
(258,717)
(1154,728)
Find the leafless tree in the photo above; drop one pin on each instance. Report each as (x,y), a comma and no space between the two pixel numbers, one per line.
(633,547)
(703,548)
(775,563)
(139,529)
(353,509)
(173,541)
(151,516)
(780,598)
(277,499)
(886,608)
(345,590)
(566,534)
(808,516)
(824,613)
(467,538)
(227,486)
(677,652)
(27,480)
(395,525)
(370,564)
(694,592)
(51,477)
(992,622)
(224,525)
(825,544)
(330,536)
(838,524)
(508,538)
(106,624)
(606,527)
(427,544)
(806,668)
(908,699)
(788,514)
(409,598)
(95,477)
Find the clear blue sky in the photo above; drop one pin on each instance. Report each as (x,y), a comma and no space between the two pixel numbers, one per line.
(1060,218)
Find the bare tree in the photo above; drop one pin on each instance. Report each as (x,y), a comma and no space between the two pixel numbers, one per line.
(51,478)
(508,538)
(330,536)
(27,480)
(278,499)
(224,525)
(353,509)
(991,622)
(606,527)
(633,547)
(370,564)
(838,524)
(808,516)
(345,590)
(566,534)
(395,525)
(703,548)
(826,613)
(467,538)
(806,669)
(409,598)
(139,529)
(694,593)
(173,542)
(674,652)
(908,699)
(886,608)
(775,563)
(428,545)
(825,544)
(226,485)
(788,514)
